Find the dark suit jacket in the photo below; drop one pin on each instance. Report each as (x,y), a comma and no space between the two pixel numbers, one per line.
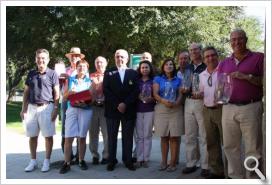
(116,92)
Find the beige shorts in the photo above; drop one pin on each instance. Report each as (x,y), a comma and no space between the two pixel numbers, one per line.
(38,118)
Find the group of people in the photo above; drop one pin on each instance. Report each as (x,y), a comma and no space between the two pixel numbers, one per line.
(140,100)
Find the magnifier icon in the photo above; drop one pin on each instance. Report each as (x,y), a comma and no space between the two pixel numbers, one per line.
(255,168)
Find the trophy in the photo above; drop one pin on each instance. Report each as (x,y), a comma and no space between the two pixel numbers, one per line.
(60,69)
(195,83)
(186,80)
(169,92)
(145,92)
(99,94)
(223,88)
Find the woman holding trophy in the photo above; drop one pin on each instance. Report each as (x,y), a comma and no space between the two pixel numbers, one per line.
(78,114)
(145,114)
(167,92)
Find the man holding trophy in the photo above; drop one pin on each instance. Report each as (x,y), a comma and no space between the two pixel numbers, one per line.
(98,119)
(212,113)
(194,126)
(242,116)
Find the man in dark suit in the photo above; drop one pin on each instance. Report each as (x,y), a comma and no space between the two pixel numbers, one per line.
(121,92)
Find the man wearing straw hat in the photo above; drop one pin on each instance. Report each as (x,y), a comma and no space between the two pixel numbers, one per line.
(74,55)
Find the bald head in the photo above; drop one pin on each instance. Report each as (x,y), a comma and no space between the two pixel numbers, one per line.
(146,56)
(100,64)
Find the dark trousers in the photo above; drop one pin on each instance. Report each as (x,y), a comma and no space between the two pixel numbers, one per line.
(127,138)
(214,137)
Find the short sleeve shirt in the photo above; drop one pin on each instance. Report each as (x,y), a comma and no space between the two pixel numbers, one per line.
(41,86)
(242,90)
(161,81)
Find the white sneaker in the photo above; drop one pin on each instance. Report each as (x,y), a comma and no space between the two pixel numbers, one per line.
(31,166)
(46,165)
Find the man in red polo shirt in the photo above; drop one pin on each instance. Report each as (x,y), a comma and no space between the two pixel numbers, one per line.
(242,117)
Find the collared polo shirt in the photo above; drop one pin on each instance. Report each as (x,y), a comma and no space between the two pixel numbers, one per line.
(242,90)
(41,86)
(161,81)
(208,91)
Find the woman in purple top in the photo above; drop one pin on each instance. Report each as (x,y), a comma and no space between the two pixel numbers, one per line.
(145,114)
(167,92)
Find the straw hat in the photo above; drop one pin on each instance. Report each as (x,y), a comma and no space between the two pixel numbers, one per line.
(75,51)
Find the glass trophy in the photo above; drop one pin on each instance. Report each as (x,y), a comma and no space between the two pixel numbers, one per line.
(186,80)
(169,92)
(145,92)
(60,69)
(195,83)
(223,88)
(99,94)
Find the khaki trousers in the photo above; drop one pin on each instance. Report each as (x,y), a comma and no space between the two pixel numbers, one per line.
(195,134)
(241,122)
(98,123)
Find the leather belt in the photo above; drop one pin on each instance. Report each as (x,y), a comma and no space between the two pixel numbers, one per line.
(243,102)
(99,104)
(213,107)
(40,104)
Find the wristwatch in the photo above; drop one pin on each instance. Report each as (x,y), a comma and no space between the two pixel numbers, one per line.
(250,76)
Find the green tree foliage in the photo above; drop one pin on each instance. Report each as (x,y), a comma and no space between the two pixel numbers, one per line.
(163,31)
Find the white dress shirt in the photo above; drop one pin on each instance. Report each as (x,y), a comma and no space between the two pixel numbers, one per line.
(209,92)
(122,71)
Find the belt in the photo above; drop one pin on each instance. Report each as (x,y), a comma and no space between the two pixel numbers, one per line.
(191,97)
(99,104)
(40,104)
(243,102)
(213,107)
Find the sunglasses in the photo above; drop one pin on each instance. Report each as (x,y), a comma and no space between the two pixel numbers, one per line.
(210,81)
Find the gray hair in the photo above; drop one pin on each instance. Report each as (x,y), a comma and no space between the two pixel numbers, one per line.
(197,44)
(103,58)
(38,51)
(122,50)
(239,30)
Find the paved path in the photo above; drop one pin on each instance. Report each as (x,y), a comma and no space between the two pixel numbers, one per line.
(17,157)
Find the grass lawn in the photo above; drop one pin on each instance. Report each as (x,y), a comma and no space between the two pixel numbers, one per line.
(14,121)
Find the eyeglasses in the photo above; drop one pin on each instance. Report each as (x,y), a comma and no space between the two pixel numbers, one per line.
(210,81)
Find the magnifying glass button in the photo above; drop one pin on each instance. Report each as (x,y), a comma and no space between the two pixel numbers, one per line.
(259,173)
(255,168)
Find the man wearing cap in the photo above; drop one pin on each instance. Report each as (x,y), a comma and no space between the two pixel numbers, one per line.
(40,108)
(121,93)
(98,121)
(242,116)
(74,55)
